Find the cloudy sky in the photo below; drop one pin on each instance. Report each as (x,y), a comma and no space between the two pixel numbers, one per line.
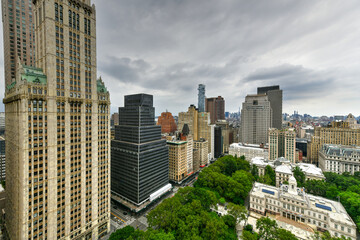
(167,47)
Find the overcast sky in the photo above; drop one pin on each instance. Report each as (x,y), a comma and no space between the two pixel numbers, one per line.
(167,47)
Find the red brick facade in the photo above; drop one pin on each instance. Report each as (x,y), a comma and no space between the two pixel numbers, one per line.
(167,122)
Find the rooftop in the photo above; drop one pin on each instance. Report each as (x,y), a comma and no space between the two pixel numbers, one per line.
(335,209)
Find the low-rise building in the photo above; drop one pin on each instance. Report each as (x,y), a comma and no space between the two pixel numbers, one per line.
(250,151)
(339,158)
(283,174)
(293,203)
(284,169)
(311,171)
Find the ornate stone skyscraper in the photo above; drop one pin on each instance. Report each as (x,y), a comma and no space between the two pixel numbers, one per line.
(57,131)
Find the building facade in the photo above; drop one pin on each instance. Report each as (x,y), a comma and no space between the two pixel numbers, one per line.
(293,203)
(186,136)
(256,119)
(201,97)
(167,123)
(202,146)
(2,159)
(196,160)
(250,151)
(274,94)
(19,38)
(338,133)
(139,157)
(177,160)
(199,127)
(216,108)
(339,158)
(282,143)
(114,120)
(57,127)
(284,169)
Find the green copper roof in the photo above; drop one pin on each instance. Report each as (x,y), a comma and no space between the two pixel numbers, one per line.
(33,75)
(10,86)
(101,86)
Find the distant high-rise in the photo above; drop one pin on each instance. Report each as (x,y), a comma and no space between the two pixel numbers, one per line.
(199,126)
(274,94)
(216,108)
(167,123)
(139,157)
(19,37)
(201,98)
(282,143)
(256,119)
(114,120)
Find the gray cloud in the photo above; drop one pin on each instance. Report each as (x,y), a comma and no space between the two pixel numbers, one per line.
(167,47)
(296,81)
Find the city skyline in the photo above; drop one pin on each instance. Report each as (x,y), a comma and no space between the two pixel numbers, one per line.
(167,49)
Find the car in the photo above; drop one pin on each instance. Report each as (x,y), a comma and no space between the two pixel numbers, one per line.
(125,213)
(115,207)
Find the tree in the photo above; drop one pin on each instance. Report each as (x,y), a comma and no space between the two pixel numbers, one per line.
(299,176)
(282,234)
(271,174)
(255,172)
(222,201)
(122,234)
(266,228)
(246,235)
(237,211)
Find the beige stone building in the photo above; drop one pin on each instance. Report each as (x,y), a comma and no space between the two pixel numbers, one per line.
(282,143)
(199,126)
(57,128)
(338,133)
(177,160)
(202,147)
(196,159)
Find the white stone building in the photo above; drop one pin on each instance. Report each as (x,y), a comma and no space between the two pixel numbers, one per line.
(250,151)
(339,158)
(284,169)
(294,203)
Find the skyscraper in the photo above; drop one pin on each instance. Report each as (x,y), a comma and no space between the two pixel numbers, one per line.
(57,125)
(256,119)
(199,126)
(275,97)
(139,157)
(201,98)
(282,143)
(167,122)
(216,108)
(18,34)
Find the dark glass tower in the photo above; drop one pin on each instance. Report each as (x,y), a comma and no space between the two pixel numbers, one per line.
(139,157)
(275,95)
